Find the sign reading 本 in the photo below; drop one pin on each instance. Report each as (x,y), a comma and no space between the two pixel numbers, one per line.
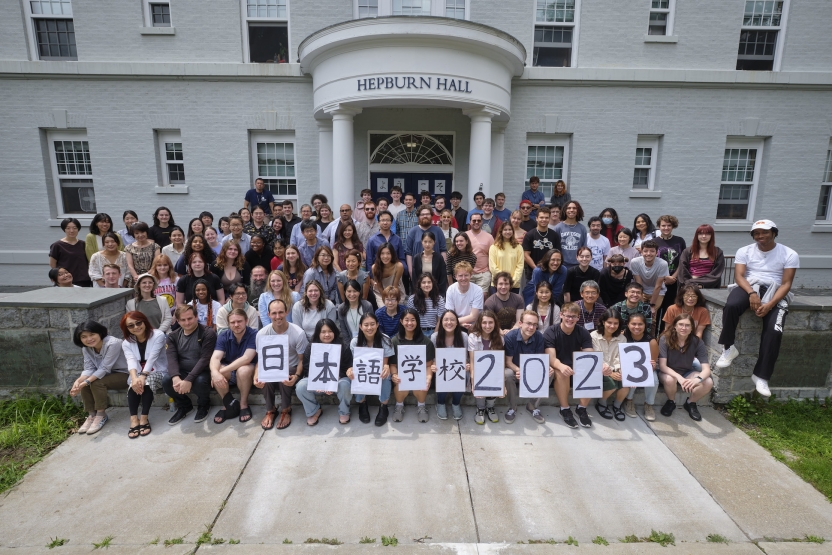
(636,368)
(367,365)
(413,367)
(273,358)
(324,367)
(426,83)
(534,376)
(489,373)
(450,371)
(588,381)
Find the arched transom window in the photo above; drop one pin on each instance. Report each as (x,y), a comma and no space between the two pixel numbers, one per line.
(409,148)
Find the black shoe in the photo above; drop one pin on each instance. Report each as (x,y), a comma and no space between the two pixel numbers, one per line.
(568,417)
(693,411)
(603,410)
(201,414)
(364,412)
(381,417)
(668,408)
(583,417)
(619,414)
(179,415)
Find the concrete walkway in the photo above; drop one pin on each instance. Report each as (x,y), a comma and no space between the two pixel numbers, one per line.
(440,487)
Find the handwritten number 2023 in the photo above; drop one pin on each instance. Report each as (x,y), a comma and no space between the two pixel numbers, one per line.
(479,385)
(588,374)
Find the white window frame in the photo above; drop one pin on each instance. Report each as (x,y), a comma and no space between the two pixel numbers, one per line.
(275,137)
(355,7)
(148,14)
(733,143)
(437,9)
(651,142)
(465,17)
(670,11)
(781,33)
(31,18)
(826,186)
(545,140)
(575,24)
(246,20)
(63,135)
(164,136)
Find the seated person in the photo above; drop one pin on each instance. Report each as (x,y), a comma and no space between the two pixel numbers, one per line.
(326,332)
(189,350)
(561,342)
(233,363)
(525,340)
(505,302)
(678,347)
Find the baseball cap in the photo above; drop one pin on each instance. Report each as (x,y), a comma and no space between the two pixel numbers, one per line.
(763,224)
(526,202)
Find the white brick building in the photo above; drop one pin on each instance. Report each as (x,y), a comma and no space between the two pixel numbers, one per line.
(127,77)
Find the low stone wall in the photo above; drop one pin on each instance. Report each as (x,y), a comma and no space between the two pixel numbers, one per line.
(36,335)
(804,367)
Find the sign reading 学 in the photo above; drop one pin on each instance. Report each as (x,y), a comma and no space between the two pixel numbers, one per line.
(435,83)
(413,367)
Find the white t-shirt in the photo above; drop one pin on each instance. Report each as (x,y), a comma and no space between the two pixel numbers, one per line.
(767,266)
(650,275)
(393,209)
(202,313)
(463,303)
(600,249)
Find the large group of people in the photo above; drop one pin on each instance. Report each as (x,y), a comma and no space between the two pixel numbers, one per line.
(387,273)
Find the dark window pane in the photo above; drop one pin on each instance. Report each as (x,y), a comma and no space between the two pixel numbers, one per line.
(56,38)
(552,57)
(160,14)
(268,43)
(78,196)
(755,65)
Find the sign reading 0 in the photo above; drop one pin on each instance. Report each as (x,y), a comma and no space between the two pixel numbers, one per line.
(439,84)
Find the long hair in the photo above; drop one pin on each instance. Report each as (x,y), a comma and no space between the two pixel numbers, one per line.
(651,229)
(453,251)
(189,247)
(459,342)
(672,338)
(316,336)
(417,333)
(161,259)
(135,315)
(91,326)
(345,306)
(339,240)
(615,223)
(191,258)
(191,231)
(711,248)
(680,295)
(419,297)
(285,294)
(547,258)
(496,337)
(300,267)
(536,301)
(646,337)
(156,216)
(306,303)
(222,259)
(329,268)
(137,290)
(378,265)
(209,320)
(610,313)
(378,338)
(499,242)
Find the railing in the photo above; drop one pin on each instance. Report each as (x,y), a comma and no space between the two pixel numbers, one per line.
(728,272)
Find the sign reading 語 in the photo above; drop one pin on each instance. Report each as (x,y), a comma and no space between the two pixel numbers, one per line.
(273,358)
(433,83)
(324,367)
(413,367)
(450,371)
(367,366)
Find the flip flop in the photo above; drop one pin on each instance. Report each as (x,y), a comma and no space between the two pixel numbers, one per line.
(268,421)
(245,414)
(134,430)
(313,420)
(144,427)
(285,419)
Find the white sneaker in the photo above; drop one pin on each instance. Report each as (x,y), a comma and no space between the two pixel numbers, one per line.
(762,386)
(727,357)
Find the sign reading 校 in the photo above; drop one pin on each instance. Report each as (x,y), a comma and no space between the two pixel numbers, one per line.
(430,83)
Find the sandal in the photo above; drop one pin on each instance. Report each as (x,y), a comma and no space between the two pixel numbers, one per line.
(227,413)
(143,427)
(313,420)
(603,410)
(268,421)
(134,432)
(619,414)
(344,418)
(245,414)
(285,419)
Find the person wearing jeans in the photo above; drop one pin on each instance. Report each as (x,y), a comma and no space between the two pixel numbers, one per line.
(326,332)
(638,331)
(189,351)
(523,340)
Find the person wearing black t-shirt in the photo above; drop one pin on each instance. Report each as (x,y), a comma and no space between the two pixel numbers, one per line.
(614,279)
(560,342)
(670,250)
(577,275)
(539,241)
(162,227)
(259,196)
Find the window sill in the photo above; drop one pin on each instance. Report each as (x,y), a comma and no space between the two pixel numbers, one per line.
(172,190)
(645,194)
(157,30)
(661,39)
(822,228)
(731,226)
(85,221)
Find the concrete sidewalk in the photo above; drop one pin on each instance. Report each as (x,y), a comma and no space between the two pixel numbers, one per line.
(456,487)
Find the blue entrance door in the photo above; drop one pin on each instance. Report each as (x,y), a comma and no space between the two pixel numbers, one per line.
(435,183)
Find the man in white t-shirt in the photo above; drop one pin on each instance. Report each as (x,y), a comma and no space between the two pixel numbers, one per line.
(464,300)
(763,274)
(597,243)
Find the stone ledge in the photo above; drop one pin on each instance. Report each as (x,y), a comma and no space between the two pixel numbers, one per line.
(821,303)
(59,297)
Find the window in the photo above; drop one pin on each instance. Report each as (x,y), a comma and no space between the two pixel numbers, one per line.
(554,33)
(72,172)
(825,190)
(455,9)
(267,36)
(411,7)
(172,158)
(546,158)
(160,15)
(740,174)
(53,31)
(761,25)
(647,154)
(661,17)
(367,8)
(273,159)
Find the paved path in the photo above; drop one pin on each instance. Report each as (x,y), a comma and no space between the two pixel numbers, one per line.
(459,487)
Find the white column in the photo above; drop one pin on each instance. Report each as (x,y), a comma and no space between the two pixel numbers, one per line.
(325,158)
(498,146)
(343,162)
(479,155)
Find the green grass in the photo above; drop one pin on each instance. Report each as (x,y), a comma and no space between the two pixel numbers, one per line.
(105,543)
(30,427)
(389,540)
(174,541)
(327,541)
(571,541)
(797,433)
(232,541)
(287,541)
(600,541)
(716,538)
(632,538)
(660,538)
(549,541)
(56,542)
(814,539)
(367,539)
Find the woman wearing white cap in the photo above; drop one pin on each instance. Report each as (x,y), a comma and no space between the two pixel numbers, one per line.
(763,273)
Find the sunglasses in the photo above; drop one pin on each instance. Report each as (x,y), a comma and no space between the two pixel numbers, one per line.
(135,325)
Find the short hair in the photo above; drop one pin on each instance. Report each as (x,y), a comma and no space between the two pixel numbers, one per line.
(320,197)
(571,308)
(424,193)
(308,224)
(456,195)
(582,249)
(281,301)
(140,227)
(205,213)
(488,201)
(544,210)
(479,194)
(530,313)
(182,309)
(500,194)
(409,194)
(386,213)
(534,179)
(594,219)
(463,267)
(257,207)
(617,258)
(590,284)
(391,291)
(238,312)
(650,244)
(423,208)
(259,179)
(474,215)
(233,217)
(501,275)
(634,285)
(115,267)
(672,220)
(287,202)
(395,188)
(235,286)
(365,192)
(90,326)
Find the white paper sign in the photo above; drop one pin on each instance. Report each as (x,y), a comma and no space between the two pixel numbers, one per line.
(636,369)
(413,367)
(399,182)
(439,187)
(450,371)
(534,376)
(367,366)
(489,373)
(381,184)
(423,185)
(273,358)
(324,366)
(588,381)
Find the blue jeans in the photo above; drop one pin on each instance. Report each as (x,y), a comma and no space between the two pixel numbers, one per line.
(649,392)
(386,389)
(310,401)
(442,397)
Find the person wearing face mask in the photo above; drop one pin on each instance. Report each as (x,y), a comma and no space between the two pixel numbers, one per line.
(610,225)
(614,279)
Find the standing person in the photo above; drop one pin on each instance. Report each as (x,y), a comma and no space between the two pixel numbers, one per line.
(458,213)
(331,232)
(386,234)
(294,268)
(670,250)
(310,243)
(410,333)
(259,196)
(446,219)
(449,334)
(516,219)
(313,307)
(162,226)
(678,347)
(212,239)
(479,198)
(107,255)
(606,339)
(548,313)
(576,275)
(206,307)
(129,218)
(326,332)
(189,351)
(194,244)
(459,251)
(485,336)
(237,300)
(763,274)
(500,207)
(224,227)
(560,197)
(614,279)
(598,244)
(206,218)
(549,269)
(703,263)
(369,226)
(427,301)
(481,242)
(231,267)
(591,308)
(527,223)
(101,224)
(430,261)
(490,222)
(354,272)
(141,252)
(104,368)
(439,207)
(634,304)
(522,341)
(232,363)
(154,308)
(413,243)
(176,249)
(649,271)
(505,255)
(197,269)
(624,247)
(396,206)
(366,196)
(689,300)
(259,254)
(505,303)
(245,214)
(389,315)
(561,342)
(408,218)
(466,301)
(317,200)
(147,366)
(324,216)
(644,230)
(322,271)
(533,195)
(235,228)
(346,240)
(298,342)
(610,226)
(290,220)
(166,278)
(70,253)
(371,336)
(539,241)
(572,233)
(387,271)
(278,288)
(258,226)
(296,237)
(637,330)
(352,309)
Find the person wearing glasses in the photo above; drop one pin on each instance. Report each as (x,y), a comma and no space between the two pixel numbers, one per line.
(561,342)
(297,238)
(527,223)
(237,300)
(369,225)
(523,340)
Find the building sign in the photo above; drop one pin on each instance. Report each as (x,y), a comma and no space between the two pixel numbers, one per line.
(421,83)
